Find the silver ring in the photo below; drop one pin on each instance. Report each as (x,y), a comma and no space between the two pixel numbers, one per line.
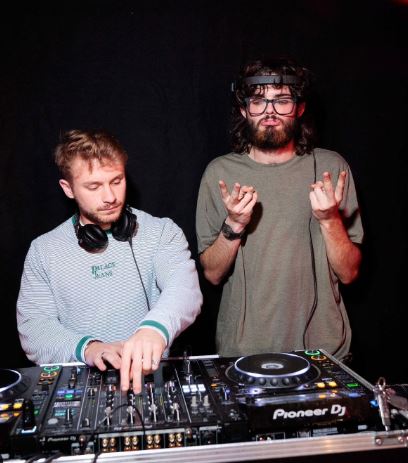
(155,362)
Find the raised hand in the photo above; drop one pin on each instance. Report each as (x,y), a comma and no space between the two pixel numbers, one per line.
(239,204)
(325,200)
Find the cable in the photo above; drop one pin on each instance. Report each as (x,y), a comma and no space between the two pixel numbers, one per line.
(113,411)
(141,422)
(140,275)
(315,301)
(312,257)
(35,458)
(96,456)
(54,456)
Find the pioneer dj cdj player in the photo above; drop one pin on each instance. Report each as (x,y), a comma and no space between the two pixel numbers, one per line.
(190,401)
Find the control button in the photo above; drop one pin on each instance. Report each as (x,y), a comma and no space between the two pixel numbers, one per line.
(53,368)
(312,352)
(332,384)
(320,385)
(47,381)
(318,357)
(86,423)
(28,415)
(286,381)
(274,382)
(49,375)
(262,381)
(68,416)
(52,421)
(352,385)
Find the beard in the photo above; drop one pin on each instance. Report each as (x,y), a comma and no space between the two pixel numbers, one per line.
(272,138)
(98,218)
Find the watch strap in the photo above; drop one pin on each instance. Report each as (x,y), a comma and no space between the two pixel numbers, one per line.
(229,233)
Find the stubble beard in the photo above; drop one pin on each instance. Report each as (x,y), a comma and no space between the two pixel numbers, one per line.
(97,218)
(272,138)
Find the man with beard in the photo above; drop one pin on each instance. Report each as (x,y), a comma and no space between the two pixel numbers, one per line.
(278,223)
(111,284)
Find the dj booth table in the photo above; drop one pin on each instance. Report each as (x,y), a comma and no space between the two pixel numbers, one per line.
(372,447)
(303,406)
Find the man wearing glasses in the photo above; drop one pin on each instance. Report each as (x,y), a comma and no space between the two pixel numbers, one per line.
(278,222)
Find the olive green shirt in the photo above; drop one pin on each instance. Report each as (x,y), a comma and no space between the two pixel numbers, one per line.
(269,297)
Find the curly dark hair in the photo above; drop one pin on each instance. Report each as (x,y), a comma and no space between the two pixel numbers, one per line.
(305,136)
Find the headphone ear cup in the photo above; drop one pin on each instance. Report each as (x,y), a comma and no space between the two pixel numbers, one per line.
(125,227)
(91,237)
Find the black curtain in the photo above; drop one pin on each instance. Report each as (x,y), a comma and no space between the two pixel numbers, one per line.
(158,75)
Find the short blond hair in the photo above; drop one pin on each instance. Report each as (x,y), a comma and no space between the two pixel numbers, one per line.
(89,146)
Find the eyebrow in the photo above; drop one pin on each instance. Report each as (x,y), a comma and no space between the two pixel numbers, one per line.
(95,182)
(280,95)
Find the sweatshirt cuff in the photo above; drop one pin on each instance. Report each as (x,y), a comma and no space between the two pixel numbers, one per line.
(81,346)
(157,327)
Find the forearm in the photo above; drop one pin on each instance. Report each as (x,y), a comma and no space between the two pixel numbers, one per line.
(218,258)
(180,297)
(42,335)
(45,340)
(179,302)
(344,256)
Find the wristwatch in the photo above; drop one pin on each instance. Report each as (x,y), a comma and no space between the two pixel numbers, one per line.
(229,233)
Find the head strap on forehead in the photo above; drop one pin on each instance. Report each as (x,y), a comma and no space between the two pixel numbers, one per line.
(274,79)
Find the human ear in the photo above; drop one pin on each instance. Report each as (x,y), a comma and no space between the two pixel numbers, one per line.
(300,109)
(65,185)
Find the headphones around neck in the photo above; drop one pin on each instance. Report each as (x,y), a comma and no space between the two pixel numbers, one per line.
(94,239)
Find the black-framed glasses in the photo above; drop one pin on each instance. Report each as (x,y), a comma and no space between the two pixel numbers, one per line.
(256,105)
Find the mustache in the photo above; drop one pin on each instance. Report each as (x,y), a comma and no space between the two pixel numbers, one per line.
(111,206)
(271,117)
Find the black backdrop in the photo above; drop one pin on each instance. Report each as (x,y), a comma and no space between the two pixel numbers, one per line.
(158,75)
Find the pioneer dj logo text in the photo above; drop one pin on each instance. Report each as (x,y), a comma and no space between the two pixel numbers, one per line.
(102,271)
(335,409)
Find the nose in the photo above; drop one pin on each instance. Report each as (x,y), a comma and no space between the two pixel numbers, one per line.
(108,195)
(269,108)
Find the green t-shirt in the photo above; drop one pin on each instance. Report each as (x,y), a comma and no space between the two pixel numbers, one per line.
(269,296)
